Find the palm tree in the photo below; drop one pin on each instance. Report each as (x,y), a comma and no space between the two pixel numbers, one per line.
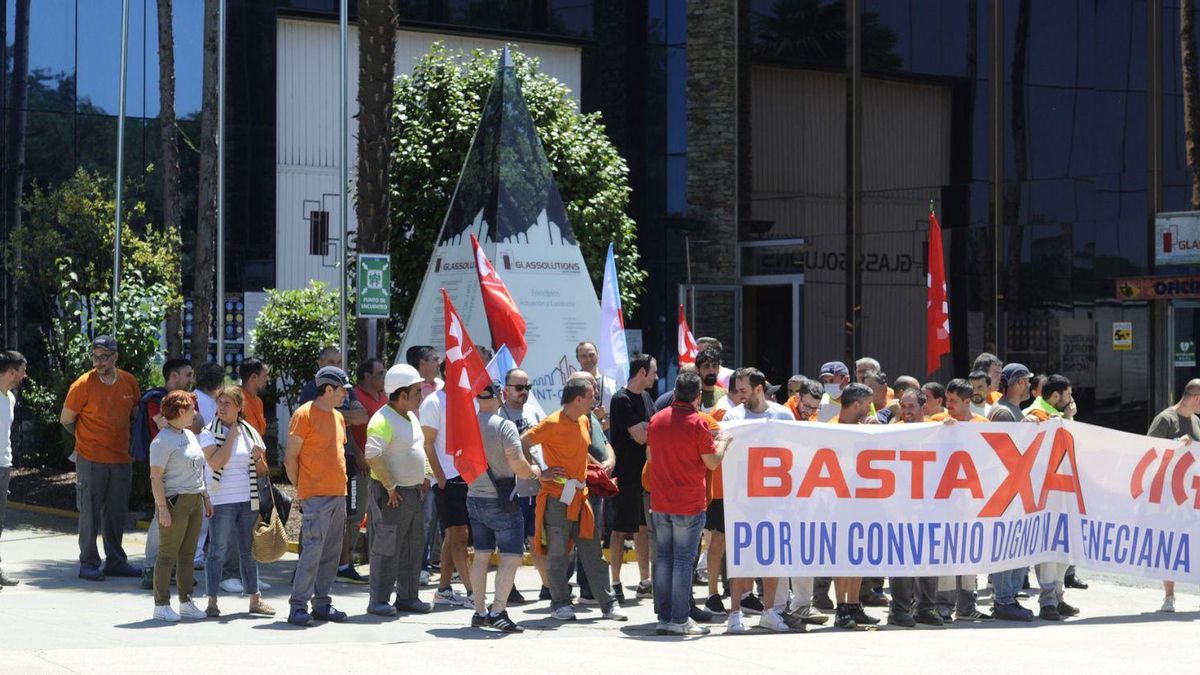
(206,222)
(169,137)
(14,162)
(1191,95)
(376,68)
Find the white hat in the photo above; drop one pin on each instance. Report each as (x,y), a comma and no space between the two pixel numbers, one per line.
(399,377)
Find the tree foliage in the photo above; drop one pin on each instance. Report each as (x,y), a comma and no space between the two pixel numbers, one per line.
(292,329)
(436,112)
(74,224)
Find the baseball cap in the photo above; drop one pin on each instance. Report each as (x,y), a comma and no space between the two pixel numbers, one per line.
(332,375)
(487,392)
(399,377)
(1013,372)
(105,342)
(835,368)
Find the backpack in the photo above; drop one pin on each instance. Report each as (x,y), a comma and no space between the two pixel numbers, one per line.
(139,439)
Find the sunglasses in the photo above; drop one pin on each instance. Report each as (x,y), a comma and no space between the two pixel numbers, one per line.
(521,387)
(484,398)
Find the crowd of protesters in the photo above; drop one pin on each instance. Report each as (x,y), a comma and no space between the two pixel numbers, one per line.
(613,468)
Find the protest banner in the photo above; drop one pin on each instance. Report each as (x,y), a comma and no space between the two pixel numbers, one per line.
(804,499)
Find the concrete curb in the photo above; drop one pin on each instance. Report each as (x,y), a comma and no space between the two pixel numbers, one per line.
(292,546)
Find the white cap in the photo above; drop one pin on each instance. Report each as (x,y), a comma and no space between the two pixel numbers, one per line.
(399,377)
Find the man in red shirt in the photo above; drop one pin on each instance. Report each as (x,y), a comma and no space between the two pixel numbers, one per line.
(683,449)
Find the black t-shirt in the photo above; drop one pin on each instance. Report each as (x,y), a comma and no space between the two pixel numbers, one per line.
(628,409)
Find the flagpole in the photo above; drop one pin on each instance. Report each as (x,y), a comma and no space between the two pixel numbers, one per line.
(120,165)
(343,178)
(220,244)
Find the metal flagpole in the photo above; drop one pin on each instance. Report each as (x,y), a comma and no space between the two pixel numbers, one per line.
(220,300)
(343,174)
(120,164)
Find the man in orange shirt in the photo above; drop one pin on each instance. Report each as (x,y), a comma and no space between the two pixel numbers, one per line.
(99,412)
(806,400)
(254,375)
(992,365)
(316,465)
(958,592)
(565,436)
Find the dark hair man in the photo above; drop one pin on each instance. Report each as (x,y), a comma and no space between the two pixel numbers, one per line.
(630,415)
(12,373)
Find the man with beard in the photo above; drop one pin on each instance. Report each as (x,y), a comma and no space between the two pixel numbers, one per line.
(1014,382)
(708,365)
(981,389)
(1054,401)
(630,415)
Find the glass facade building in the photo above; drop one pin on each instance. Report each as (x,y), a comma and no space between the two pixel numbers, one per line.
(1047,134)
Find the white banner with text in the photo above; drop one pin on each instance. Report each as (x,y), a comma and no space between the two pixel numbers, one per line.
(806,499)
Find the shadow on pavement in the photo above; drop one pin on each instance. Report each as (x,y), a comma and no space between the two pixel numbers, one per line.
(468,633)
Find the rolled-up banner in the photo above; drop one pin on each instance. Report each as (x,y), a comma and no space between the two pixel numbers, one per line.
(808,499)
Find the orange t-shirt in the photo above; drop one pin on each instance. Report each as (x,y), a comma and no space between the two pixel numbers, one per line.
(322,462)
(993,397)
(945,415)
(105,414)
(564,443)
(716,488)
(253,410)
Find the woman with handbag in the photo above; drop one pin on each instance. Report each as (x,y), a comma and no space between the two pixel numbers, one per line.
(181,504)
(236,457)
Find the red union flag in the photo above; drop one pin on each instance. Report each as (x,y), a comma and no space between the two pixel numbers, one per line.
(937,308)
(504,319)
(687,342)
(466,376)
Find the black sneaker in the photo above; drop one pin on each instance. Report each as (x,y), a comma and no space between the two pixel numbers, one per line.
(873,599)
(929,617)
(1013,612)
(480,620)
(714,605)
(502,623)
(619,593)
(823,602)
(1050,613)
(299,617)
(350,575)
(700,615)
(861,617)
(752,605)
(329,614)
(902,619)
(1066,610)
(515,597)
(1073,581)
(843,619)
(544,594)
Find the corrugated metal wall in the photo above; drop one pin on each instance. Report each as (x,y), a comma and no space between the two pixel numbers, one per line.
(307,127)
(799,155)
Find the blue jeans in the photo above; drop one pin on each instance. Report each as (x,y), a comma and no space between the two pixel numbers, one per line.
(495,529)
(1007,584)
(231,523)
(676,540)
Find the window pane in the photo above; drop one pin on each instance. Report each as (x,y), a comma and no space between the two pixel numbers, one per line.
(51,53)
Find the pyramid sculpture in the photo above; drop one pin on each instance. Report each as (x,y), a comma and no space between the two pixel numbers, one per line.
(506,196)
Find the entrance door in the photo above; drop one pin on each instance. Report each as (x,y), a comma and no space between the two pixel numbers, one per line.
(771,318)
(1185,334)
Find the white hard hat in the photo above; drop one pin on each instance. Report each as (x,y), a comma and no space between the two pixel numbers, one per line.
(399,377)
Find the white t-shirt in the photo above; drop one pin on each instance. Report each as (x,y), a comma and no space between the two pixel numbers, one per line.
(984,410)
(430,415)
(774,411)
(206,406)
(234,486)
(8,412)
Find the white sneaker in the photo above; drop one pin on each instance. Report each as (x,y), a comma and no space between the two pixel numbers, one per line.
(451,598)
(263,586)
(1168,604)
(232,586)
(165,613)
(736,624)
(189,610)
(564,613)
(772,620)
(614,613)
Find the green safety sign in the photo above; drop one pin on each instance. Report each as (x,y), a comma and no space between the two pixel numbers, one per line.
(374,286)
